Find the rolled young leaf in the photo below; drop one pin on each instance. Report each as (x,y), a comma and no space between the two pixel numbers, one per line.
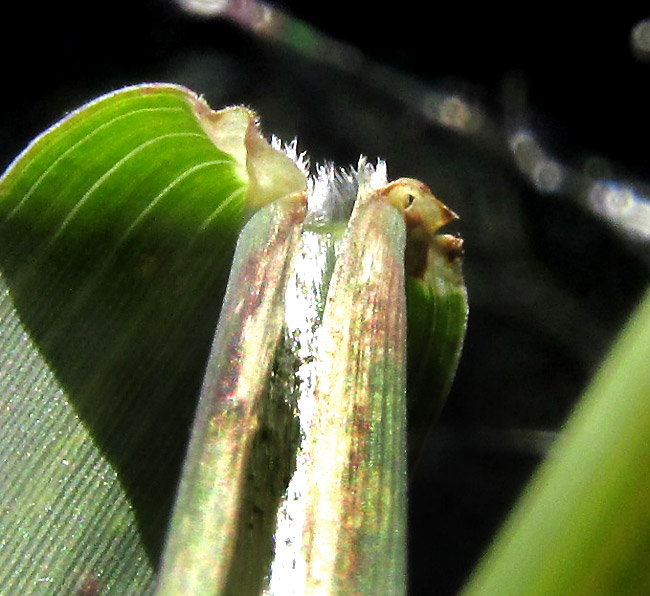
(210,507)
(355,522)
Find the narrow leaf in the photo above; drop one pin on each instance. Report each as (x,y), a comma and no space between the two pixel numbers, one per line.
(355,529)
(437,308)
(210,515)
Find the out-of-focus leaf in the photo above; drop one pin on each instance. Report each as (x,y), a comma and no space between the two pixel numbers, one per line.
(117,227)
(582,526)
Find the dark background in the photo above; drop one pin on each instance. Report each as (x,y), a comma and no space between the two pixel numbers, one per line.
(550,281)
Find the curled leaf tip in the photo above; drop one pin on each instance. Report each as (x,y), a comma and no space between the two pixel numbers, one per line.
(450,247)
(421,208)
(423,215)
(270,172)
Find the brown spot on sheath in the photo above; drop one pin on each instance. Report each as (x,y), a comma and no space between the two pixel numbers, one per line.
(258,278)
(89,586)
(418,254)
(416,257)
(450,246)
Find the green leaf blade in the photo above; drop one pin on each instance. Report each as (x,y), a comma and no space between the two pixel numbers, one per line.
(114,161)
(117,228)
(54,539)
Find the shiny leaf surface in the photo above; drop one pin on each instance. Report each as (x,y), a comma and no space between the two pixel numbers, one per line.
(117,228)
